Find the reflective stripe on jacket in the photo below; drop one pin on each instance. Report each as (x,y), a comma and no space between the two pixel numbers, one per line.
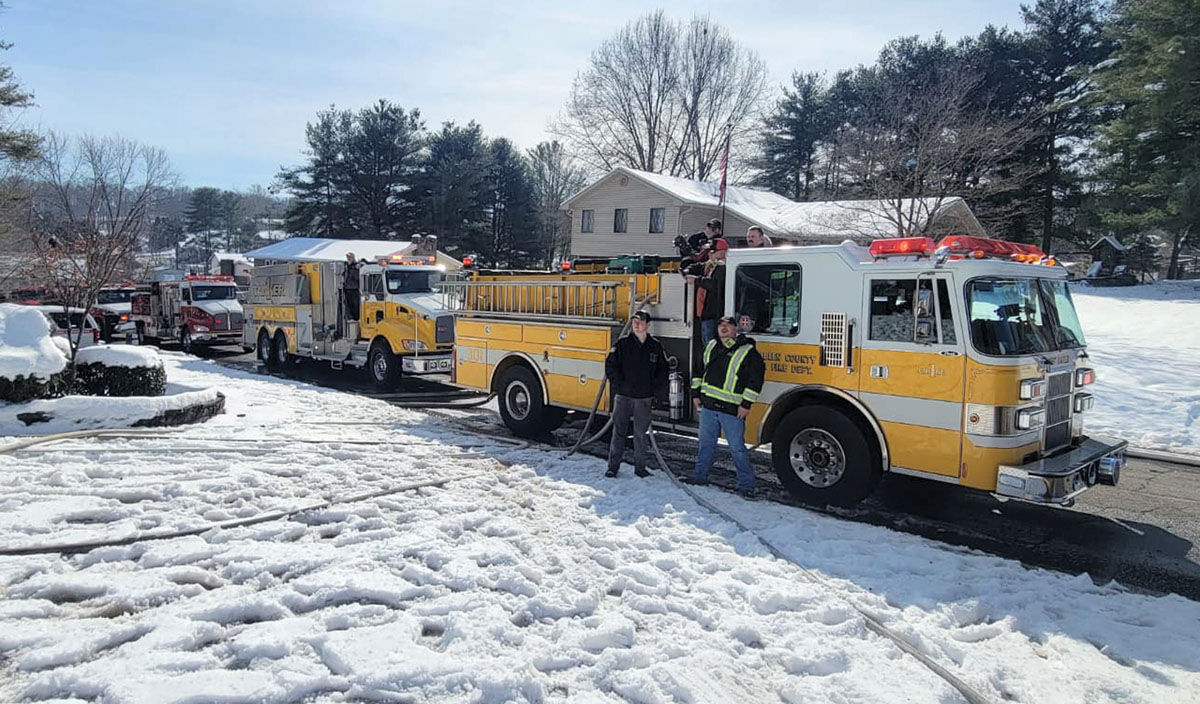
(729,376)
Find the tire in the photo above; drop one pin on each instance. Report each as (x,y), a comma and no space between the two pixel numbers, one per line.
(185,340)
(521,407)
(279,353)
(263,349)
(553,417)
(823,457)
(383,366)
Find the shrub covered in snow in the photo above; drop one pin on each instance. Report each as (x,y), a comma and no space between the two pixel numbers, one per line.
(119,370)
(31,365)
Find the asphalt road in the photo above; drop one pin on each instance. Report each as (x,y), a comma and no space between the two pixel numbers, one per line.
(1142,533)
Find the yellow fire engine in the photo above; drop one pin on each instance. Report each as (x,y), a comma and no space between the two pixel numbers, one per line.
(296,310)
(962,362)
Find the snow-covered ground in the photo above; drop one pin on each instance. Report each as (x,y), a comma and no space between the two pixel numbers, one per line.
(1144,342)
(528,578)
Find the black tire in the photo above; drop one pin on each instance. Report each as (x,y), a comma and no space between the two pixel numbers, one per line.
(263,349)
(279,351)
(383,366)
(185,340)
(553,417)
(823,457)
(519,395)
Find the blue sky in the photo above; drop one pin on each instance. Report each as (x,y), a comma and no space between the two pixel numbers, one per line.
(226,87)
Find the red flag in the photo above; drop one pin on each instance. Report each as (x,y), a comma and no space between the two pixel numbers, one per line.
(724,170)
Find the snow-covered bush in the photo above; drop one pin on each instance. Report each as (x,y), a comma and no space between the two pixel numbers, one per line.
(31,365)
(119,370)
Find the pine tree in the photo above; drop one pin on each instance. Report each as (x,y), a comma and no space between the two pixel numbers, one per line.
(15,145)
(454,191)
(514,222)
(382,162)
(319,189)
(1151,143)
(204,217)
(792,134)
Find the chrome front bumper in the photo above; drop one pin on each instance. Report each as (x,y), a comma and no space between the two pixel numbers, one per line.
(1059,479)
(427,364)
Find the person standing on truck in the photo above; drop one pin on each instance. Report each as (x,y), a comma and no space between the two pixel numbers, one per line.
(727,383)
(709,278)
(755,237)
(637,368)
(350,286)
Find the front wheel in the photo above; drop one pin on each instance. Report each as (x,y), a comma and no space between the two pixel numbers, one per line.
(521,406)
(383,366)
(823,457)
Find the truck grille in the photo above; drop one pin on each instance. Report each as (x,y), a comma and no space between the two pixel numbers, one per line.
(222,321)
(445,329)
(1058,411)
(235,320)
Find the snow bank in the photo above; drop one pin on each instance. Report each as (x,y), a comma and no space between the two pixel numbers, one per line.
(1143,342)
(119,356)
(91,412)
(26,348)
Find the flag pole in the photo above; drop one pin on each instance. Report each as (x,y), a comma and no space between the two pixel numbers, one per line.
(725,172)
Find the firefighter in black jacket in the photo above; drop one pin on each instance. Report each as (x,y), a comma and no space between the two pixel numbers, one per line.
(726,383)
(636,366)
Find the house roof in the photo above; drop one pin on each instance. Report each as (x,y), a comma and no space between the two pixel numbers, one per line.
(1112,241)
(781,215)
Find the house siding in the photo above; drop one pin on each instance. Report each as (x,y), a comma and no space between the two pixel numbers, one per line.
(638,198)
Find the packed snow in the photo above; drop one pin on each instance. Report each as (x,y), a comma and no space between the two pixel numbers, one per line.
(93,412)
(1143,342)
(527,577)
(119,356)
(26,347)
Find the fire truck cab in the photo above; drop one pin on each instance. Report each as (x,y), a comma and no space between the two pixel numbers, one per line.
(195,310)
(962,362)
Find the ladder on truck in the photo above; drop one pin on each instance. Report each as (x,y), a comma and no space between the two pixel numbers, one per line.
(606,301)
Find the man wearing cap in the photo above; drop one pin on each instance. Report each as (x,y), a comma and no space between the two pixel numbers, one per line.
(636,367)
(727,383)
(350,286)
(709,277)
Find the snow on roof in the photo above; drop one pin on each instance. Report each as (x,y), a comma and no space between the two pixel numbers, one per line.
(231,257)
(26,348)
(316,249)
(781,215)
(1112,241)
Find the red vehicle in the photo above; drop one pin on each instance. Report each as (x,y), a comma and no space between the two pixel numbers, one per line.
(196,310)
(112,308)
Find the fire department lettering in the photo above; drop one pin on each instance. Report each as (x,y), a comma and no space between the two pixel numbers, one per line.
(789,363)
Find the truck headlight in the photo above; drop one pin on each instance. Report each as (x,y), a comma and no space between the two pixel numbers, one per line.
(1084,376)
(412,345)
(1083,402)
(1031,389)
(200,328)
(1030,418)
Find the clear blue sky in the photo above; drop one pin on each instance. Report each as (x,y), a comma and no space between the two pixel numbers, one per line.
(226,86)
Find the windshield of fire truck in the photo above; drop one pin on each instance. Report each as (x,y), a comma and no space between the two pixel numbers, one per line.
(402,281)
(213,293)
(1012,317)
(114,296)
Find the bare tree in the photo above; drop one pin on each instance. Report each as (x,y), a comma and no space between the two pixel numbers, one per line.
(91,210)
(556,176)
(662,96)
(911,150)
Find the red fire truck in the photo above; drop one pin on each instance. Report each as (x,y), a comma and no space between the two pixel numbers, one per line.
(194,310)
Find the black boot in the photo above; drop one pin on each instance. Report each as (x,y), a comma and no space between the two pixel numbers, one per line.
(612,472)
(642,472)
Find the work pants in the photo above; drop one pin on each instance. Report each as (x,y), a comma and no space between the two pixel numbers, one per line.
(352,302)
(626,409)
(712,423)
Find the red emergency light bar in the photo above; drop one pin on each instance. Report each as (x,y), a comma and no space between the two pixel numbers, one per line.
(902,246)
(205,277)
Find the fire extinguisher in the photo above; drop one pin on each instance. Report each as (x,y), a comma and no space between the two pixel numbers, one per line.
(676,394)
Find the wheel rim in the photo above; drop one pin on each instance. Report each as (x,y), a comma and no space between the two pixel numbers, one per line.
(264,348)
(280,350)
(817,458)
(379,366)
(518,400)
(185,340)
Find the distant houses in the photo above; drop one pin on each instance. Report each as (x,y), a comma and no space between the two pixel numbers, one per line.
(630,211)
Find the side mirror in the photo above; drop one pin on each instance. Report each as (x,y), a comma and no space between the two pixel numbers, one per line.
(925,331)
(924,303)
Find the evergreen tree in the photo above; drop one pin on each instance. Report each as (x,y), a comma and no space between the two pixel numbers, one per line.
(230,218)
(15,145)
(165,232)
(514,222)
(382,162)
(204,217)
(801,123)
(320,189)
(1062,43)
(1150,172)
(454,194)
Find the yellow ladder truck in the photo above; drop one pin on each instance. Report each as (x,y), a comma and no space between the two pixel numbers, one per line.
(961,362)
(295,311)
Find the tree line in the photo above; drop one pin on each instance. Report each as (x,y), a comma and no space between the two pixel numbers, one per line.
(378,173)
